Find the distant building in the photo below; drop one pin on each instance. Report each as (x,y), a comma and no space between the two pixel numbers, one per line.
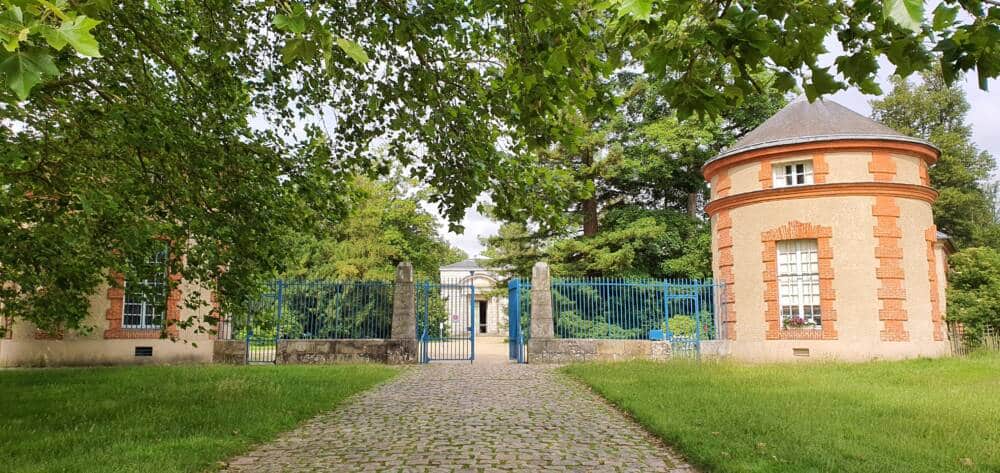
(823,233)
(490,306)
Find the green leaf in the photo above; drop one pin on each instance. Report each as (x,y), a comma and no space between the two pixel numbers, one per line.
(54,9)
(557,61)
(293,24)
(24,69)
(907,13)
(298,49)
(157,6)
(353,50)
(640,9)
(76,32)
(944,16)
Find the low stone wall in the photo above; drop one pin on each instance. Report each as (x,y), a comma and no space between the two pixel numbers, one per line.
(347,351)
(567,350)
(229,352)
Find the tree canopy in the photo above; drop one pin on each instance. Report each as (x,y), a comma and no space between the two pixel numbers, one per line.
(937,112)
(224,126)
(384,227)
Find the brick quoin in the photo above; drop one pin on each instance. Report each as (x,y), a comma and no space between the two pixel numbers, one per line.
(723,185)
(889,272)
(882,166)
(765,174)
(820,168)
(724,241)
(796,230)
(936,320)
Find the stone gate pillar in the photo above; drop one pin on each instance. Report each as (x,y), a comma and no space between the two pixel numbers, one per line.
(542,326)
(404,315)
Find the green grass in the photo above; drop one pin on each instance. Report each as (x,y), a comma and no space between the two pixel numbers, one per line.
(160,418)
(911,416)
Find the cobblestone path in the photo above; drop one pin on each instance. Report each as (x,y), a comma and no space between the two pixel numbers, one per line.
(464,417)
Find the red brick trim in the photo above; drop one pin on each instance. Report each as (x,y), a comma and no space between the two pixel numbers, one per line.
(724,241)
(925,152)
(892,189)
(882,166)
(820,168)
(889,272)
(766,174)
(827,295)
(725,184)
(115,312)
(925,178)
(931,236)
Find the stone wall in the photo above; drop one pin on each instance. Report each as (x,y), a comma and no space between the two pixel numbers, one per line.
(347,351)
(567,350)
(230,352)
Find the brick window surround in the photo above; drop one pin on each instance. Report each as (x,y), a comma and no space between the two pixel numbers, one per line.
(724,240)
(936,320)
(115,312)
(796,230)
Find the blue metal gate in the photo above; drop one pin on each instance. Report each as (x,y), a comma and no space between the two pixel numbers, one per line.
(518,319)
(445,321)
(263,328)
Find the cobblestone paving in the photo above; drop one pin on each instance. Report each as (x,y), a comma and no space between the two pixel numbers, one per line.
(464,417)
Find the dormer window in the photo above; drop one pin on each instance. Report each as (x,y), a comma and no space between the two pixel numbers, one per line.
(799,173)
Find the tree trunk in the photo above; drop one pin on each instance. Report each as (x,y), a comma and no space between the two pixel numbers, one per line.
(590,217)
(693,204)
(589,206)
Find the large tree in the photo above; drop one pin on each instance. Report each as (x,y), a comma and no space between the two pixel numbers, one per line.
(647,190)
(225,123)
(937,112)
(385,226)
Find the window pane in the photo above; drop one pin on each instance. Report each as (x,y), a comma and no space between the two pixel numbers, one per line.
(798,283)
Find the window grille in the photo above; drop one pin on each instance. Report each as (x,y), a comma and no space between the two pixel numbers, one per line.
(793,174)
(146,294)
(798,284)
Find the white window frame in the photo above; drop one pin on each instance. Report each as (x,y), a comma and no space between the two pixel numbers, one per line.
(150,313)
(789,174)
(798,283)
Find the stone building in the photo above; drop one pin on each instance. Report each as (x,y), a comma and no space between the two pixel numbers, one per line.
(822,230)
(490,307)
(126,327)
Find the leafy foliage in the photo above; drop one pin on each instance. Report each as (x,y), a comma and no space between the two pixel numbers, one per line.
(935,111)
(383,228)
(974,288)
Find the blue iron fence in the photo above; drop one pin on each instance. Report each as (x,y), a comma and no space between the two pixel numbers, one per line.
(518,319)
(305,309)
(445,316)
(666,309)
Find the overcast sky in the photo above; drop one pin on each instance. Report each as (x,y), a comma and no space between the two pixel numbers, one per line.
(984,117)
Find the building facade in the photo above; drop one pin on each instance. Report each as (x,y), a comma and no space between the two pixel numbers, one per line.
(132,323)
(490,300)
(823,233)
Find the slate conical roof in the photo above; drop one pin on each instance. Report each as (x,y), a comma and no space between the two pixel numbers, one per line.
(822,120)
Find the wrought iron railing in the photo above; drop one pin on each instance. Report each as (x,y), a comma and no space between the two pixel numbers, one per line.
(308,309)
(609,308)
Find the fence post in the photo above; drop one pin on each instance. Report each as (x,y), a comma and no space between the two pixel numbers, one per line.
(542,325)
(404,311)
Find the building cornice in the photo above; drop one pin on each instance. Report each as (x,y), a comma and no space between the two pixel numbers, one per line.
(914,148)
(873,189)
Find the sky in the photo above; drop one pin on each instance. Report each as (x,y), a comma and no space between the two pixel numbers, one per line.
(985,108)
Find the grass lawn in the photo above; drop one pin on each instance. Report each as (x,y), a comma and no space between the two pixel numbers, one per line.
(160,418)
(910,416)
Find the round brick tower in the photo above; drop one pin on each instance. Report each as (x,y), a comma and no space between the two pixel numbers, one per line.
(823,233)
